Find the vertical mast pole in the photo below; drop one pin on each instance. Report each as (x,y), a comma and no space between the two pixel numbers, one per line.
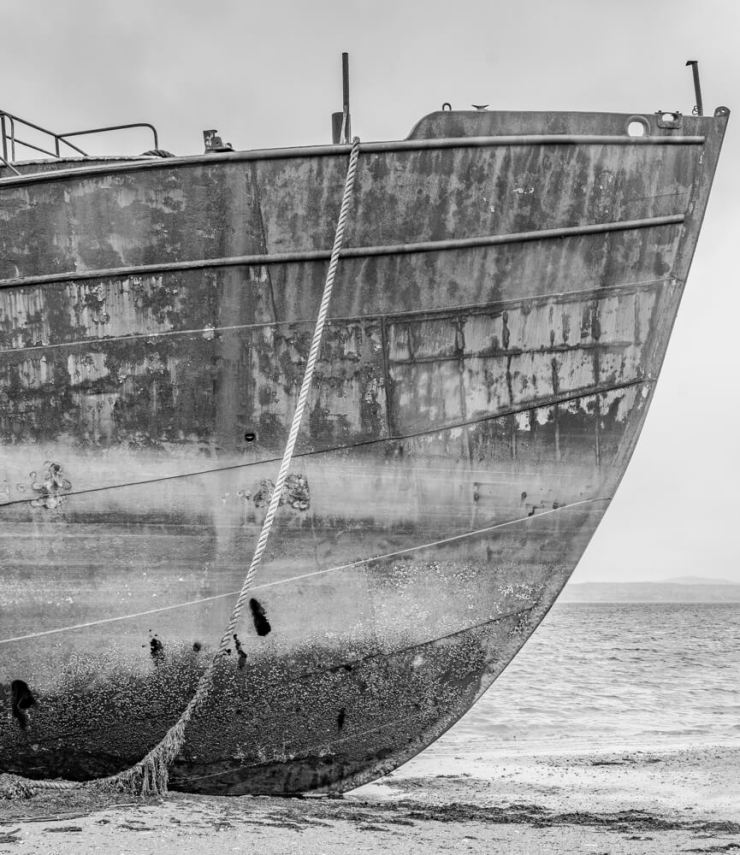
(341,130)
(346,125)
(699,108)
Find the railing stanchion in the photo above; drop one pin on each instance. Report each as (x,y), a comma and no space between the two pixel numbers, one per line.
(5,139)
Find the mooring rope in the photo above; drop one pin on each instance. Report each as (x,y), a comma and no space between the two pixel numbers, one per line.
(150,775)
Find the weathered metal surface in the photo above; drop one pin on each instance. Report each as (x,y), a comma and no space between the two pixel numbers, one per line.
(473,411)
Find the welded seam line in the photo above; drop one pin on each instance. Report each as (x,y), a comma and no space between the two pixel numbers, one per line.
(560,298)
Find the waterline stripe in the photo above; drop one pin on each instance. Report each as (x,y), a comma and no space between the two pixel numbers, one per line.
(360,562)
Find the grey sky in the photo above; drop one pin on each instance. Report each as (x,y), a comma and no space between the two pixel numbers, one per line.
(268,73)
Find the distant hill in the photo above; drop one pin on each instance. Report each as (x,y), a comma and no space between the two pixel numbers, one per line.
(675,591)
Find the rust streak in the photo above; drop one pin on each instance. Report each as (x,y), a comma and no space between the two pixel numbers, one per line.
(443,312)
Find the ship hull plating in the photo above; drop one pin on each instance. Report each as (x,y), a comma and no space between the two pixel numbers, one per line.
(500,315)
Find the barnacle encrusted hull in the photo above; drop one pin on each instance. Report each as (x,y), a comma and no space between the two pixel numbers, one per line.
(499,318)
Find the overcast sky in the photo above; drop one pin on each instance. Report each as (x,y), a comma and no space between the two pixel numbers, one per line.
(268,74)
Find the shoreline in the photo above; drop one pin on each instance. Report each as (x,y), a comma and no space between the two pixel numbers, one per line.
(616,801)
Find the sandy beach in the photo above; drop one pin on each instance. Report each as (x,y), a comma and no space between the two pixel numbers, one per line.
(633,801)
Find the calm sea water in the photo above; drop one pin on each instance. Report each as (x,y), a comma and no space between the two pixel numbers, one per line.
(613,676)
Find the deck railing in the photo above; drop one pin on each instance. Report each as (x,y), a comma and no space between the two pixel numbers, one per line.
(10,141)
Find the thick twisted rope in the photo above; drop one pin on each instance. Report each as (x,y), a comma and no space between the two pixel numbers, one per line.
(150,775)
(313,356)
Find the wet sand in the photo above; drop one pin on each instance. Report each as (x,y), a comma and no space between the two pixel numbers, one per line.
(660,801)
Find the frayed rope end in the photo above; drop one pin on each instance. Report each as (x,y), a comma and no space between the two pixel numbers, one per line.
(148,778)
(13,787)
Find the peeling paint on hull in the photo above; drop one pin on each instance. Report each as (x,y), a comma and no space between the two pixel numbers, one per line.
(475,406)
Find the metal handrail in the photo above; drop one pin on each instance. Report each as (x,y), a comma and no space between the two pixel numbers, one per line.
(63,137)
(10,140)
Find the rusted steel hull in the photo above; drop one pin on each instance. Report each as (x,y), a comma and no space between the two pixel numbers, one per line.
(500,316)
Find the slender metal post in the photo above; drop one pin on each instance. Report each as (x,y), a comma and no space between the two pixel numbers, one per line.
(4,137)
(346,126)
(699,108)
(4,162)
